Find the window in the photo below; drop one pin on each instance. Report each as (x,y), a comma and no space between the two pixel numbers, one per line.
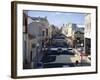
(47,32)
(33,45)
(43,33)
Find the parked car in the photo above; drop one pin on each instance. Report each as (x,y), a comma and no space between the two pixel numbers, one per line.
(59,43)
(63,61)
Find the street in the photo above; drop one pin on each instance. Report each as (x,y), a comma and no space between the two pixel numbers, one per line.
(59,52)
(50,42)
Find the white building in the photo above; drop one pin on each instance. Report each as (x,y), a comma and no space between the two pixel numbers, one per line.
(87,26)
(87,35)
(64,30)
(69,30)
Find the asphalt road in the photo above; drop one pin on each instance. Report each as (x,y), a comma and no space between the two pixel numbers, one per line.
(58,55)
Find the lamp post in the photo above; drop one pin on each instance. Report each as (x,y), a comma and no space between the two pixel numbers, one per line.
(82,54)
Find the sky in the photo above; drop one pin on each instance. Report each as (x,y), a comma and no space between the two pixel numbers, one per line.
(59,18)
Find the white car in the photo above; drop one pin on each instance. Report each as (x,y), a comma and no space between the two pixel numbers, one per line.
(66,60)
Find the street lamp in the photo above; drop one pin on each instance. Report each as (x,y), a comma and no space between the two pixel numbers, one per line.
(82,52)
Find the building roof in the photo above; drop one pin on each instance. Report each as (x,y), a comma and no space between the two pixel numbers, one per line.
(40,18)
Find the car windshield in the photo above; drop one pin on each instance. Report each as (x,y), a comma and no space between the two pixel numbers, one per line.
(59,43)
(59,37)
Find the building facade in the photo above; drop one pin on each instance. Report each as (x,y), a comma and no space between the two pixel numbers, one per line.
(25,39)
(54,30)
(35,34)
(64,30)
(87,34)
(69,31)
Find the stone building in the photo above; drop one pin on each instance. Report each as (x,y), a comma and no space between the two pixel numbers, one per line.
(35,34)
